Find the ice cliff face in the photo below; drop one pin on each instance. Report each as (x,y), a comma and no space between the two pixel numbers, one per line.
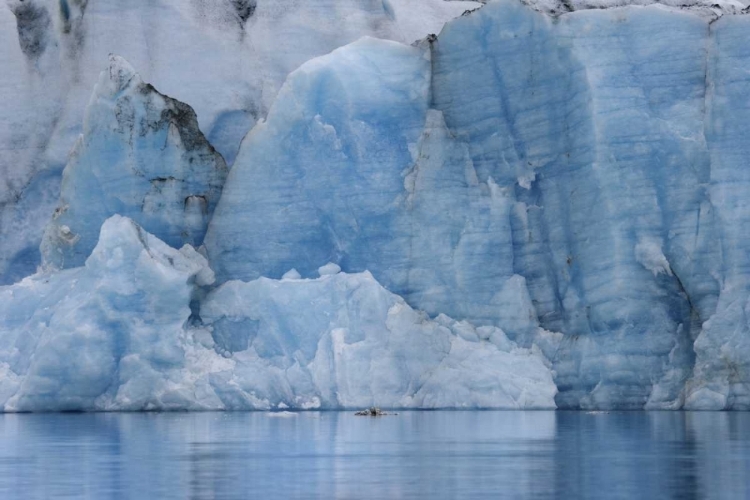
(628,234)
(570,168)
(556,177)
(225,58)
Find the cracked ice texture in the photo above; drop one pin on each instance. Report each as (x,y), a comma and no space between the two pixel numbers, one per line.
(352,168)
(108,335)
(721,378)
(115,334)
(344,341)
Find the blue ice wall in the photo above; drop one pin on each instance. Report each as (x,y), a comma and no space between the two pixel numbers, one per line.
(352,168)
(595,121)
(723,347)
(141,155)
(566,178)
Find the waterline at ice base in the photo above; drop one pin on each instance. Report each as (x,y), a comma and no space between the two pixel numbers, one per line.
(542,205)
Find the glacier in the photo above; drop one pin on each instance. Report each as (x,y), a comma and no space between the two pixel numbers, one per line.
(226,58)
(141,155)
(541,206)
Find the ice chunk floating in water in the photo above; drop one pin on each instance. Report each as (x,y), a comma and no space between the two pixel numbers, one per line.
(343,341)
(116,334)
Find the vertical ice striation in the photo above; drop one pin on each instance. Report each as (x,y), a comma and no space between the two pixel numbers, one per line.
(456,241)
(722,371)
(142,156)
(595,121)
(227,58)
(352,168)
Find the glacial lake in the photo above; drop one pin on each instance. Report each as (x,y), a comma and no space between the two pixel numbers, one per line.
(437,454)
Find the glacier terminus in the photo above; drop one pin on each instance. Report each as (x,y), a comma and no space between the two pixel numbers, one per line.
(247,205)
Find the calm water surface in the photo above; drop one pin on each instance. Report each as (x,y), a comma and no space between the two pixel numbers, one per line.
(413,455)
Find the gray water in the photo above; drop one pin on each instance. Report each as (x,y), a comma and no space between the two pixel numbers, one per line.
(412,455)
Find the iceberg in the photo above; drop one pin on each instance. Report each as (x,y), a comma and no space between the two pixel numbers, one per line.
(123,333)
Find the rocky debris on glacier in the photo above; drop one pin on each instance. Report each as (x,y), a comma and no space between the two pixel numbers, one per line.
(226,58)
(373,412)
(141,155)
(712,9)
(115,335)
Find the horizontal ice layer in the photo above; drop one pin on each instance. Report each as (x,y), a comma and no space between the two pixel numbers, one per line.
(142,156)
(226,58)
(116,334)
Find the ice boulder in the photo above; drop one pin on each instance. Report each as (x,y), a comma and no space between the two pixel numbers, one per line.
(142,156)
(344,341)
(108,335)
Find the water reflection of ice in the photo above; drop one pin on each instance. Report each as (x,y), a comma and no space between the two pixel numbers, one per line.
(411,455)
